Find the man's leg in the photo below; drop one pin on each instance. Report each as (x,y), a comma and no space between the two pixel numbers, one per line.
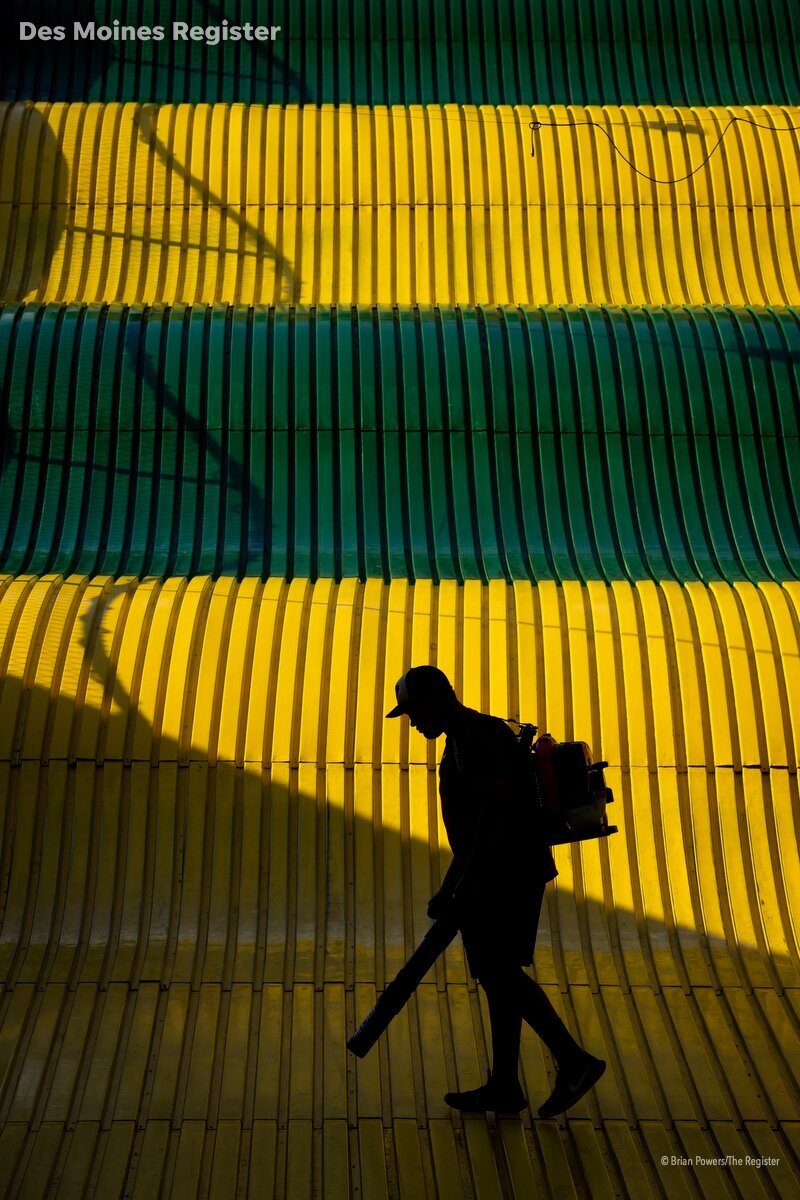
(578,1070)
(538,1012)
(502,1092)
(505,1018)
(536,1009)
(514,996)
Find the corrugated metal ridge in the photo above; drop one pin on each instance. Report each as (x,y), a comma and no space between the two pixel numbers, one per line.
(508,443)
(186,947)
(658,675)
(396,205)
(459,51)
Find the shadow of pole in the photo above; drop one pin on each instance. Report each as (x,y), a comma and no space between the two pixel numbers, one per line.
(294,85)
(234,479)
(261,246)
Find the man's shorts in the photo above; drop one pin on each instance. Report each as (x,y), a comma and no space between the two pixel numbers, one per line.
(502,935)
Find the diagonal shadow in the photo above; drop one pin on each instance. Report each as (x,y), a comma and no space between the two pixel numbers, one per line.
(156,884)
(292,84)
(165,916)
(237,483)
(259,245)
(37,208)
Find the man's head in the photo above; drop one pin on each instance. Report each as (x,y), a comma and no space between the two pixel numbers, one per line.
(426,696)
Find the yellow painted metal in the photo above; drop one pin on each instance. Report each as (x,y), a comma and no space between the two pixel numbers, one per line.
(217,851)
(427,205)
(680,688)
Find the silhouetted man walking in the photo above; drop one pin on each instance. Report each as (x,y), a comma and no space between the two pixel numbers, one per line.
(496,881)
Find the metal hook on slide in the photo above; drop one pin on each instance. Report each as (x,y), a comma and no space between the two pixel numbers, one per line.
(533,126)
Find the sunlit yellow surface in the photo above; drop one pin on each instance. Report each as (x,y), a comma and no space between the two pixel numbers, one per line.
(688,691)
(427,205)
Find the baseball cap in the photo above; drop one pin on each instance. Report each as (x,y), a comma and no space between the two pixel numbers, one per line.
(419,683)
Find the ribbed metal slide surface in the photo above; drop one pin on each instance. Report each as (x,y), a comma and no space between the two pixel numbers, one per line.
(415,52)
(517,444)
(418,205)
(214,851)
(316,362)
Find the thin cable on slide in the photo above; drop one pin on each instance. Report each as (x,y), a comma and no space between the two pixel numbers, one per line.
(534,125)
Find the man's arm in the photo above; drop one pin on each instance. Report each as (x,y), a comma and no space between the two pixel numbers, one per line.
(440,901)
(451,878)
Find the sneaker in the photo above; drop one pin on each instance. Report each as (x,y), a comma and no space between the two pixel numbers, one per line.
(488,1099)
(571,1084)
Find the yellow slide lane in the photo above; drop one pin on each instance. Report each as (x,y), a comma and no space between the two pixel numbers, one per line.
(215,848)
(426,205)
(690,692)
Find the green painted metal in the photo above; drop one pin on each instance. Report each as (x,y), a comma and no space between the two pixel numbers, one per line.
(415,52)
(583,443)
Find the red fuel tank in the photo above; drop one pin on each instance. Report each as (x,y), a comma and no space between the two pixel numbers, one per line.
(545,772)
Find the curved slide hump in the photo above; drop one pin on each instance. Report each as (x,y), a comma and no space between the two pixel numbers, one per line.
(417,52)
(681,677)
(426,205)
(214,845)
(501,443)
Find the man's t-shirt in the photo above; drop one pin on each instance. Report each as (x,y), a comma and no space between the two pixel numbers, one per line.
(511,851)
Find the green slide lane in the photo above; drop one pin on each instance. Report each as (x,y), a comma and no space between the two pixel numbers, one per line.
(565,444)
